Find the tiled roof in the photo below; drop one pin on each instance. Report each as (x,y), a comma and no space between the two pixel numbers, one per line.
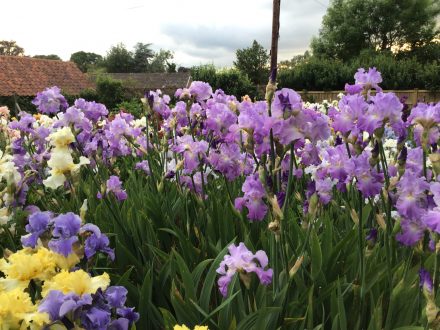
(153,81)
(26,76)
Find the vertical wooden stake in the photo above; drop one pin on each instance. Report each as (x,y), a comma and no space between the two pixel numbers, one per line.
(274,44)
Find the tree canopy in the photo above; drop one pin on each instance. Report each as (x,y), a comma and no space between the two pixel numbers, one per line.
(48,57)
(10,48)
(351,26)
(85,60)
(119,59)
(162,62)
(253,61)
(142,56)
(141,59)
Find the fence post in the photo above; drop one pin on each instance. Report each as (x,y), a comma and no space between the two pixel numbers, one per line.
(416,96)
(274,43)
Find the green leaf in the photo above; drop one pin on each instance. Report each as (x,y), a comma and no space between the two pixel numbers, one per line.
(341,309)
(168,319)
(251,321)
(188,284)
(316,254)
(208,285)
(124,278)
(198,271)
(222,305)
(144,299)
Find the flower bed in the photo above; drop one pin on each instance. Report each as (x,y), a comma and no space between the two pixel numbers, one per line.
(304,215)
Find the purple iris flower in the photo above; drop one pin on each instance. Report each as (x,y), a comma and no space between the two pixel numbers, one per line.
(229,161)
(92,110)
(432,220)
(385,108)
(96,242)
(66,227)
(114,185)
(411,195)
(306,124)
(195,183)
(425,280)
(369,181)
(143,166)
(426,115)
(369,79)
(128,313)
(324,190)
(253,198)
(372,236)
(96,319)
(24,124)
(201,90)
(57,304)
(285,103)
(38,224)
(219,118)
(412,232)
(193,151)
(353,89)
(116,296)
(240,259)
(50,101)
(119,324)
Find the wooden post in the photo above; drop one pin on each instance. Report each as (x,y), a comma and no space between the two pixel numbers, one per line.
(274,44)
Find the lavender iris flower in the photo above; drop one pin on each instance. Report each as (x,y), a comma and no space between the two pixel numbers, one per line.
(241,260)
(66,227)
(369,79)
(114,185)
(38,224)
(57,304)
(50,101)
(95,318)
(116,296)
(128,313)
(425,280)
(201,90)
(285,103)
(96,242)
(253,198)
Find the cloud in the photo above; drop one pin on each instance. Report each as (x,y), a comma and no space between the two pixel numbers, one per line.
(198,31)
(209,37)
(217,42)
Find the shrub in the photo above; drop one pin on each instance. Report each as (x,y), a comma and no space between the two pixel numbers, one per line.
(134,106)
(109,91)
(231,81)
(328,74)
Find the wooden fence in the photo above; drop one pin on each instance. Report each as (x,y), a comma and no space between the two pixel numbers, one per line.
(413,95)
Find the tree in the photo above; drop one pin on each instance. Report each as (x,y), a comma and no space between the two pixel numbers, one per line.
(231,81)
(141,58)
(10,48)
(48,57)
(119,59)
(253,61)
(183,69)
(350,26)
(161,62)
(296,60)
(85,60)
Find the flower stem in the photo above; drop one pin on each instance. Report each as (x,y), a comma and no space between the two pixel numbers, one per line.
(361,257)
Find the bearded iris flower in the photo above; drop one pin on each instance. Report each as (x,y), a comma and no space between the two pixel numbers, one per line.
(241,260)
(50,101)
(252,199)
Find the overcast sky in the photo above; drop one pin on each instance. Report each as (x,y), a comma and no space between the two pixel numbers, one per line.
(198,31)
